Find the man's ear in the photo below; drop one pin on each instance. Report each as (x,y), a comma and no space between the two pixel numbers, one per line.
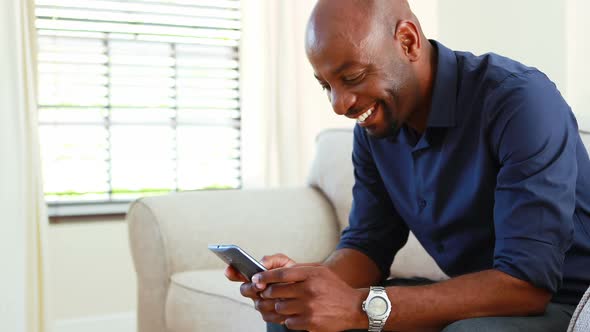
(408,37)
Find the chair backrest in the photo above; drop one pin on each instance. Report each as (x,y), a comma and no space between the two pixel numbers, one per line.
(332,172)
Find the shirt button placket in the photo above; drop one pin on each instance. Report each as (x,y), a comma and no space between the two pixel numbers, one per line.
(421,204)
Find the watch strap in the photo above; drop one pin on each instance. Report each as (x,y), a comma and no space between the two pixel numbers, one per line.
(376,325)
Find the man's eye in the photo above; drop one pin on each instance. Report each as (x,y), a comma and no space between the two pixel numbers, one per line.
(325,87)
(354,78)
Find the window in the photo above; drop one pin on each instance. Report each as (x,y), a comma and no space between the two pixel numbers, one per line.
(137,97)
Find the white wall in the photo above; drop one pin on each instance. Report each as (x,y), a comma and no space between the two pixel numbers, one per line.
(553,36)
(508,27)
(91,274)
(578,53)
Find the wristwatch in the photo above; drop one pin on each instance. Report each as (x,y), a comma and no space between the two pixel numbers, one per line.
(377,307)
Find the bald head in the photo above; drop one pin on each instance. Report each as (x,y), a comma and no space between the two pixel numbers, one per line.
(355,21)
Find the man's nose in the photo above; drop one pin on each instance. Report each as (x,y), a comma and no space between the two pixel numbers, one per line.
(342,101)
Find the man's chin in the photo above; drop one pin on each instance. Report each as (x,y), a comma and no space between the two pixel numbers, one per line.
(381,132)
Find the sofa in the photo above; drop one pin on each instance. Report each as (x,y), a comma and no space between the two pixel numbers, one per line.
(181,286)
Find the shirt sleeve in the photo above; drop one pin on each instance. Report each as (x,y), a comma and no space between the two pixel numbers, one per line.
(375,228)
(533,135)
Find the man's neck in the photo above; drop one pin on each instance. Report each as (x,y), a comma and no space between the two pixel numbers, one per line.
(426,77)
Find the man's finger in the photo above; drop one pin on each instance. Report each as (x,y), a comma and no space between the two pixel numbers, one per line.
(273,317)
(265,306)
(283,275)
(289,307)
(297,323)
(248,289)
(267,310)
(283,291)
(233,275)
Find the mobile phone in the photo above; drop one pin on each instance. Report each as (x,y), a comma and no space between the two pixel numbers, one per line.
(238,259)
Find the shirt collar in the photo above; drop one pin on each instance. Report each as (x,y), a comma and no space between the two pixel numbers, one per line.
(444,92)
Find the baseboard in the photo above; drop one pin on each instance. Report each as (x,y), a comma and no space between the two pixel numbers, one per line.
(121,322)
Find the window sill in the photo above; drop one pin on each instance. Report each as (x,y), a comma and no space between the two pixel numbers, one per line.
(64,211)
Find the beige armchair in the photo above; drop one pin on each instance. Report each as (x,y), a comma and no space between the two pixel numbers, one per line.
(181,287)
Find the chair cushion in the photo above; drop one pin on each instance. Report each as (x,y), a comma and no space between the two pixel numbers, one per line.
(206,301)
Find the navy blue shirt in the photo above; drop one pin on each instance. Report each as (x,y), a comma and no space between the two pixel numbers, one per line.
(500,179)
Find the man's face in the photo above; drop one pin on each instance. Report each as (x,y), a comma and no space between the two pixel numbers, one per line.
(365,78)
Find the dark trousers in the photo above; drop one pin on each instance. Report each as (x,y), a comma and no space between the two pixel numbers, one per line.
(556,318)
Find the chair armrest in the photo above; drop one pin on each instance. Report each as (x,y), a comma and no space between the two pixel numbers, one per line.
(170,234)
(580,321)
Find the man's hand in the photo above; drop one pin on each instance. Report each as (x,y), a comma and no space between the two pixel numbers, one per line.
(251,290)
(312,298)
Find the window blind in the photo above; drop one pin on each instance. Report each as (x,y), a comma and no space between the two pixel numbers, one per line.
(137,97)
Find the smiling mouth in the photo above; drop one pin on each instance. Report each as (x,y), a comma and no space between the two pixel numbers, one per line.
(367,115)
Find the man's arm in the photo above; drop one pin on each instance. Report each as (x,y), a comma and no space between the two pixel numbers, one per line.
(481,294)
(315,298)
(486,293)
(354,267)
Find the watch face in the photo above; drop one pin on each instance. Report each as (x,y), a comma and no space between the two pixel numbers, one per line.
(377,306)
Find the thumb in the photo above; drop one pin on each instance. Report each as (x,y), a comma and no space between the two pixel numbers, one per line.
(277,261)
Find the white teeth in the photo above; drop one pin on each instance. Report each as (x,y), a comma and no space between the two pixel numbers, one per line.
(365,115)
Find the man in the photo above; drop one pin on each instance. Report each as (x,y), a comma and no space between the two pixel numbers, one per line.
(479,156)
